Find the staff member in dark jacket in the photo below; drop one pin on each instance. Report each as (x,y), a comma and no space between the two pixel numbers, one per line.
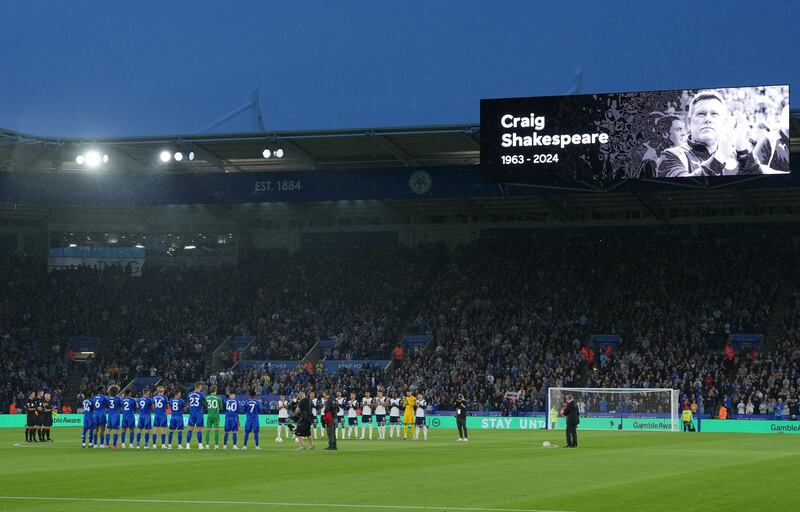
(461,418)
(329,419)
(303,429)
(573,419)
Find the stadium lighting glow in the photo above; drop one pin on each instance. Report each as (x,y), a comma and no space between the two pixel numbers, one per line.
(105,158)
(279,152)
(80,159)
(165,156)
(189,247)
(178,156)
(73,245)
(266,153)
(139,246)
(191,155)
(93,159)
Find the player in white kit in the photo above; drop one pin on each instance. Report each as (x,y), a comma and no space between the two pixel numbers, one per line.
(380,414)
(352,415)
(340,401)
(419,417)
(394,415)
(366,414)
(283,418)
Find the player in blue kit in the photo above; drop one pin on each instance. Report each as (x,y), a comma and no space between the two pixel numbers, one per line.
(88,420)
(196,401)
(114,407)
(99,422)
(128,417)
(145,406)
(252,408)
(177,405)
(160,403)
(231,420)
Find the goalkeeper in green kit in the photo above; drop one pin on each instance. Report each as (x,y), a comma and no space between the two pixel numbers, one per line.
(213,404)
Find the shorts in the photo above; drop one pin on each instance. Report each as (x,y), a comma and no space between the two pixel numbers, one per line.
(88,422)
(160,421)
(196,420)
(394,420)
(176,422)
(340,420)
(352,421)
(251,425)
(283,421)
(99,420)
(113,422)
(33,420)
(303,429)
(231,425)
(420,421)
(129,422)
(366,419)
(408,418)
(47,420)
(314,421)
(213,422)
(145,422)
(380,419)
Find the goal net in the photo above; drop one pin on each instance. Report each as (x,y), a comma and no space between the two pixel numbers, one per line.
(642,409)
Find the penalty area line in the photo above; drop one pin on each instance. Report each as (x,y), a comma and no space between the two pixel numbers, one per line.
(274,504)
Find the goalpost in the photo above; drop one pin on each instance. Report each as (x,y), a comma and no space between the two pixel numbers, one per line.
(651,409)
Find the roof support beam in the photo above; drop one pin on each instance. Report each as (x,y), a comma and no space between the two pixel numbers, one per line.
(393,149)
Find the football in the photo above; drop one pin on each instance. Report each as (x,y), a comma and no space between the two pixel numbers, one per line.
(546,444)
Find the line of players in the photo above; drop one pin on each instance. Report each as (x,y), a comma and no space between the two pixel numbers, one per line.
(413,417)
(107,419)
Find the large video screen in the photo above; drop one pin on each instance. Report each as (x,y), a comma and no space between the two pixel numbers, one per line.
(633,135)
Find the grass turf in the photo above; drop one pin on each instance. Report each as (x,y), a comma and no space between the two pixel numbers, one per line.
(495,470)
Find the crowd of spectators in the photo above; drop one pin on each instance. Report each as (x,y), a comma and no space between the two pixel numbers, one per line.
(509,320)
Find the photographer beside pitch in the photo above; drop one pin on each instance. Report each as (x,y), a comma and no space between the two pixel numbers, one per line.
(570,412)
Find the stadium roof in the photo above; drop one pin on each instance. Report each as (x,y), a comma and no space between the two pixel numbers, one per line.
(242,152)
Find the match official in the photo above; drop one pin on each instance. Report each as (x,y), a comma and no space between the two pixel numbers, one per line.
(461,418)
(573,419)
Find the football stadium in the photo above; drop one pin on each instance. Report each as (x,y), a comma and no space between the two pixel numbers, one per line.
(573,303)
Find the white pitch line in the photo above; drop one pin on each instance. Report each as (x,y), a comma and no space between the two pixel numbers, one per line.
(277,504)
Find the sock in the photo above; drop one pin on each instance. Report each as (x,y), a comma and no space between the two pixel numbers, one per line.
(27,434)
(139,439)
(189,436)
(108,439)
(164,438)
(235,436)
(425,432)
(255,437)
(370,431)
(405,429)
(180,437)
(116,437)
(199,437)
(246,436)
(130,440)
(170,437)
(216,437)
(146,438)
(315,432)
(225,439)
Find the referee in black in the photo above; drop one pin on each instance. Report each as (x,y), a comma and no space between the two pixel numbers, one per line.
(461,418)
(30,425)
(47,417)
(573,419)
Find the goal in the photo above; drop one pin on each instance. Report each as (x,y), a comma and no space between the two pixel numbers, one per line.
(648,409)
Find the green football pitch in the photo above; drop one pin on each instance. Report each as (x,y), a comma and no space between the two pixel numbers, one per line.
(495,470)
